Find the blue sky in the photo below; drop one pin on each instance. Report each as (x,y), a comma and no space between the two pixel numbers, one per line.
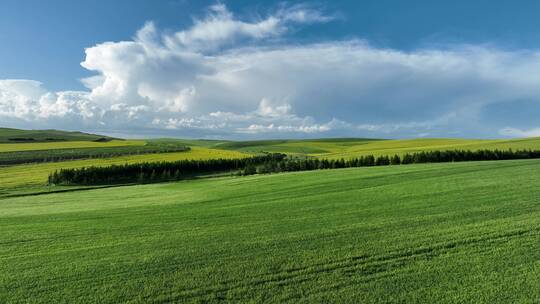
(358,68)
(51,35)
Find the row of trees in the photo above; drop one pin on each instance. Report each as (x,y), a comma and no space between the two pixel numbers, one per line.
(155,171)
(385,160)
(269,163)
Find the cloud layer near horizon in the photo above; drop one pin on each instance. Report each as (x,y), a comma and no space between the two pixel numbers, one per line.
(226,77)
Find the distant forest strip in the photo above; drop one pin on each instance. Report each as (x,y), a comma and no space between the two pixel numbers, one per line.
(56,155)
(155,171)
(269,163)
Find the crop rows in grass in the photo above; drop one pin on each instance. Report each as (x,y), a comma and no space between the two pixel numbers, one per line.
(9,135)
(404,146)
(347,148)
(18,147)
(57,155)
(31,178)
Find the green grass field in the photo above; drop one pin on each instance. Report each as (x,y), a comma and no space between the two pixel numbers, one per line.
(30,178)
(350,147)
(18,135)
(324,148)
(307,147)
(432,233)
(450,233)
(61,153)
(10,147)
(390,147)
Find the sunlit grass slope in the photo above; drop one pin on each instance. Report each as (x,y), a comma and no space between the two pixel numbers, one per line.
(351,147)
(13,135)
(33,177)
(313,146)
(390,147)
(12,147)
(324,148)
(432,233)
(207,143)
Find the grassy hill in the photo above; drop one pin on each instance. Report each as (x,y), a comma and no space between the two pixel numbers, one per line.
(354,147)
(31,178)
(455,232)
(8,135)
(432,233)
(308,147)
(323,148)
(390,147)
(42,146)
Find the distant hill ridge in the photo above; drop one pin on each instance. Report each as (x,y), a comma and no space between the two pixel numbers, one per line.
(9,135)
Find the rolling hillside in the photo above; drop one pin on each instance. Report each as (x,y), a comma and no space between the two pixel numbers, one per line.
(306,147)
(400,147)
(323,148)
(403,233)
(27,178)
(351,147)
(433,233)
(31,178)
(41,146)
(8,135)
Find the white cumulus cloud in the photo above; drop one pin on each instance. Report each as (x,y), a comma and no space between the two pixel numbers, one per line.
(228,77)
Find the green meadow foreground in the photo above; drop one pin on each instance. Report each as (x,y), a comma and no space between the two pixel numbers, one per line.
(431,233)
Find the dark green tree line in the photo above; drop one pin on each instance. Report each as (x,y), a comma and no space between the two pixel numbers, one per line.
(154,171)
(269,163)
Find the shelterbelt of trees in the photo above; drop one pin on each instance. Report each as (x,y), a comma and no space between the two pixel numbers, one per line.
(269,163)
(156,171)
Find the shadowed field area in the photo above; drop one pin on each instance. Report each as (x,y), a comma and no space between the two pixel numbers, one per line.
(446,233)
